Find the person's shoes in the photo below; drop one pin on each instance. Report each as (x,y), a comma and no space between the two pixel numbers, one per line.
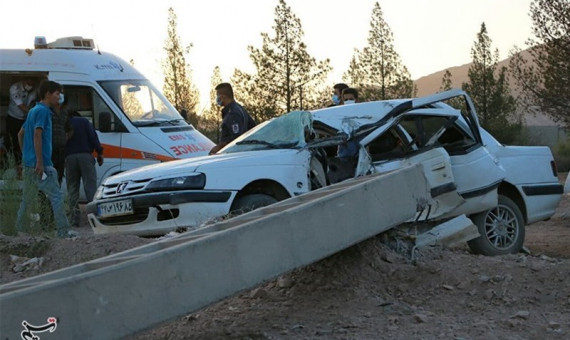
(68,234)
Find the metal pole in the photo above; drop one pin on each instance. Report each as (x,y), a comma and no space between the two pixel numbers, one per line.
(382,69)
(301,96)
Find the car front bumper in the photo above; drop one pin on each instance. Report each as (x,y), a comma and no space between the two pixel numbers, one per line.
(158,213)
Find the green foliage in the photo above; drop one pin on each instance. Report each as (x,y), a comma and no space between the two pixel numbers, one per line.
(543,78)
(562,155)
(37,219)
(285,72)
(178,86)
(447,85)
(10,198)
(211,118)
(10,195)
(377,70)
(489,90)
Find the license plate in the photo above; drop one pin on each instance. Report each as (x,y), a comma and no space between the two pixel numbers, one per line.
(116,208)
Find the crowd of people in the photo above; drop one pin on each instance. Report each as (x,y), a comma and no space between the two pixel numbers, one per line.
(48,140)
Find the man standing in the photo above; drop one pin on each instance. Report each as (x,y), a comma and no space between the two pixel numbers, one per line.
(337,94)
(80,164)
(349,96)
(61,127)
(21,96)
(235,119)
(35,140)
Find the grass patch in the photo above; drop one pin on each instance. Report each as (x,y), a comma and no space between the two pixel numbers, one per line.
(28,247)
(37,220)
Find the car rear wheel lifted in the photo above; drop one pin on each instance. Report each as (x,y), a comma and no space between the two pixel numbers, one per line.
(502,229)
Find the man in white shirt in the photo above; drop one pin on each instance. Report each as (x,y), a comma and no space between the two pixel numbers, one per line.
(22,94)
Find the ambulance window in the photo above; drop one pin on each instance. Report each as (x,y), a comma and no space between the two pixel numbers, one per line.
(141,102)
(85,101)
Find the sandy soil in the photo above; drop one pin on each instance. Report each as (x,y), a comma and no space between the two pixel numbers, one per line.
(367,291)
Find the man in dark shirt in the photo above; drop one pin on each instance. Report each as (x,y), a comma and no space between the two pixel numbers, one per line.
(235,119)
(80,164)
(61,127)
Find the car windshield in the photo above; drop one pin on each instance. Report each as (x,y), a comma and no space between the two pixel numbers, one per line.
(142,103)
(285,132)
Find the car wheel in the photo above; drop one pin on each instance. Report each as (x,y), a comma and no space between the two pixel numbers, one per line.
(252,202)
(502,229)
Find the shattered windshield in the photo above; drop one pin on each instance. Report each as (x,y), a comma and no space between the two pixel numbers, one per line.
(285,132)
(142,103)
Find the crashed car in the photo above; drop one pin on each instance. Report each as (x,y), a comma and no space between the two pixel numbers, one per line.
(502,188)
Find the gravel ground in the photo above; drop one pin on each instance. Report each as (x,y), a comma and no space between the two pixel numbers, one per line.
(365,292)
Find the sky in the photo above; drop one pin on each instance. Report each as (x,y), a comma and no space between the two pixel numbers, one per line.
(429,35)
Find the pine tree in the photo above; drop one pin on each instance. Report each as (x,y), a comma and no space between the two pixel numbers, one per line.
(544,78)
(257,100)
(286,74)
(377,70)
(178,87)
(488,87)
(211,118)
(446,83)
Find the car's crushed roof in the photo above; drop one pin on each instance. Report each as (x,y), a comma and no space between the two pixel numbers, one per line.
(348,117)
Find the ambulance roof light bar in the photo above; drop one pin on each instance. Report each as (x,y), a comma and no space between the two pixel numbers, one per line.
(71,43)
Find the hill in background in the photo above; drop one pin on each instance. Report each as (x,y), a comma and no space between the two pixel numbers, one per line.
(431,83)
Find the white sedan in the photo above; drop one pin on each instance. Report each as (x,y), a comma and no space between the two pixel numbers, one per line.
(502,188)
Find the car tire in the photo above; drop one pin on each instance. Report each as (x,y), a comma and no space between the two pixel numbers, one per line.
(502,229)
(251,202)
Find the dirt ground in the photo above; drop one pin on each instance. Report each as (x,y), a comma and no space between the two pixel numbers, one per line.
(367,291)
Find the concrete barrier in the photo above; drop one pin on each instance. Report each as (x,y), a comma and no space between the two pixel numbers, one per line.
(122,294)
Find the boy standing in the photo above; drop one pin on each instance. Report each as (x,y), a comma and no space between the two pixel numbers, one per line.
(35,139)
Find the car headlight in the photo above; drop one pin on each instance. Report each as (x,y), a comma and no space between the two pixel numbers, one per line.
(194,181)
(98,193)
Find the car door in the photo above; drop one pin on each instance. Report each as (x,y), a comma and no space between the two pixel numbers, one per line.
(476,172)
(392,147)
(428,123)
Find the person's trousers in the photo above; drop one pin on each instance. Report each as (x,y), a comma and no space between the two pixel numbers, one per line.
(79,167)
(58,160)
(13,126)
(50,187)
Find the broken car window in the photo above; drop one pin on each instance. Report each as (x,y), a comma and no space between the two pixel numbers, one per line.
(285,132)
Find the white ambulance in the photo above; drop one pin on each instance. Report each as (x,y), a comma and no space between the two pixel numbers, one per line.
(135,123)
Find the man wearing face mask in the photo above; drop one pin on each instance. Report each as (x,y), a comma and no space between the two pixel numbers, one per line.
(337,94)
(349,95)
(235,119)
(38,172)
(21,96)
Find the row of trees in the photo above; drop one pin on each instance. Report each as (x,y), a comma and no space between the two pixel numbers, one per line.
(542,81)
(288,78)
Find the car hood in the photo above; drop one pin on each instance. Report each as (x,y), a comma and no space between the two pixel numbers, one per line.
(232,161)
